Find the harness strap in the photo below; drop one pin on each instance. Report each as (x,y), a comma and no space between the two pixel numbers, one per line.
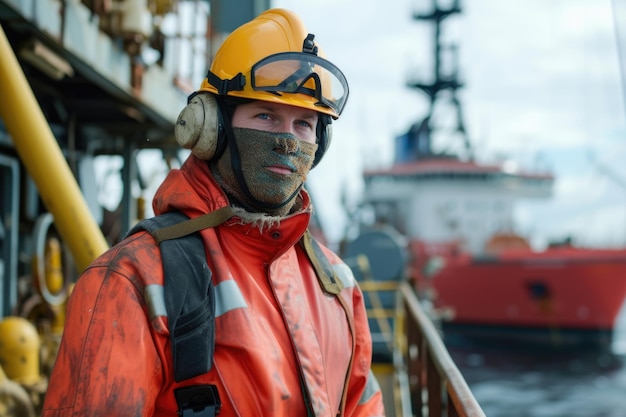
(188,292)
(205,221)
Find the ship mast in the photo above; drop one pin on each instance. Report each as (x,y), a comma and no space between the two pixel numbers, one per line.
(419,135)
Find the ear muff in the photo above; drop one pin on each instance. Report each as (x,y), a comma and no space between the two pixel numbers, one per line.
(324,135)
(199,126)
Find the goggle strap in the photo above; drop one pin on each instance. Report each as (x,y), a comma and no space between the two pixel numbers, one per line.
(224,86)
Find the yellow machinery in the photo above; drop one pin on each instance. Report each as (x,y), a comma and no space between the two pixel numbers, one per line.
(61,107)
(44,160)
(21,384)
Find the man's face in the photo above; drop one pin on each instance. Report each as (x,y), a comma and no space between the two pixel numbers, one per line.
(276,145)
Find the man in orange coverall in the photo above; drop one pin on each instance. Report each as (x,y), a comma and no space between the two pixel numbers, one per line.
(287,343)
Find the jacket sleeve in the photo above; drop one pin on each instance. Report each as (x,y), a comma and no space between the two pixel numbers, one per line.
(107,362)
(364,394)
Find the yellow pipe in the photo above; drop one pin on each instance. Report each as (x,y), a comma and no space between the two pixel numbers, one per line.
(44,161)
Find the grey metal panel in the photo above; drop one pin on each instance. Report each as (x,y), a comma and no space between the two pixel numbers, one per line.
(9,224)
(227,15)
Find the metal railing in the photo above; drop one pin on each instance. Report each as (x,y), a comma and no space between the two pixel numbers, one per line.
(436,385)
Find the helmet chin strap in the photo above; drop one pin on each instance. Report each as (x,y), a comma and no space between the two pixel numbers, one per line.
(235,161)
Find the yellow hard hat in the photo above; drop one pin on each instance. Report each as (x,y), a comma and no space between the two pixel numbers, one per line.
(273,58)
(19,350)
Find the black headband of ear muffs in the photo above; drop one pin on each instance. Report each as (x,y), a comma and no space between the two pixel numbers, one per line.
(324,136)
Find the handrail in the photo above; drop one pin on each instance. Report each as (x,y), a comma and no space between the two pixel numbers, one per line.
(431,369)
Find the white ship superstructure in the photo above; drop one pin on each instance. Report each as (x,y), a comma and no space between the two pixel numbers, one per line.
(442,200)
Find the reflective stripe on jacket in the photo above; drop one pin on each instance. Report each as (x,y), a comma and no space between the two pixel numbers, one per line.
(277,331)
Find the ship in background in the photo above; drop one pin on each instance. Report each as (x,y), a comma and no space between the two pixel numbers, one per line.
(457,216)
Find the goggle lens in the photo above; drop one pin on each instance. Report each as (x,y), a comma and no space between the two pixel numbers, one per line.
(295,72)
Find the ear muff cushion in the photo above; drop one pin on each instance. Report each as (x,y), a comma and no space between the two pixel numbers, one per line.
(198,127)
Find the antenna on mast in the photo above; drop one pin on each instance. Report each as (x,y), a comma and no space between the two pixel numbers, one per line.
(419,134)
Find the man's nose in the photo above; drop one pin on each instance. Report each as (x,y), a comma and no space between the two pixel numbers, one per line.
(287,145)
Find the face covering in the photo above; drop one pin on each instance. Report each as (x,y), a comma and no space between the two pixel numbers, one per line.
(268,192)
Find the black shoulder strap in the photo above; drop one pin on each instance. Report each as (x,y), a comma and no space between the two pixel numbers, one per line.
(189,295)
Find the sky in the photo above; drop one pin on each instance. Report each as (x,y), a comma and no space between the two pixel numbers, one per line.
(543,90)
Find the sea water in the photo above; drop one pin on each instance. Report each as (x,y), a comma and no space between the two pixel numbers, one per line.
(539,383)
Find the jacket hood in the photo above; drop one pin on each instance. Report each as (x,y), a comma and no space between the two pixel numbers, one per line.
(190,189)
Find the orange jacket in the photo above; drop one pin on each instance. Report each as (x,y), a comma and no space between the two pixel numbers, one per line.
(274,324)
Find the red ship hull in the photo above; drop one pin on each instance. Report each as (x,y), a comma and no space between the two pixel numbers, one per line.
(564,295)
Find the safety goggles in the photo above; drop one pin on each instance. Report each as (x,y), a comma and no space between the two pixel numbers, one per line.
(296,72)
